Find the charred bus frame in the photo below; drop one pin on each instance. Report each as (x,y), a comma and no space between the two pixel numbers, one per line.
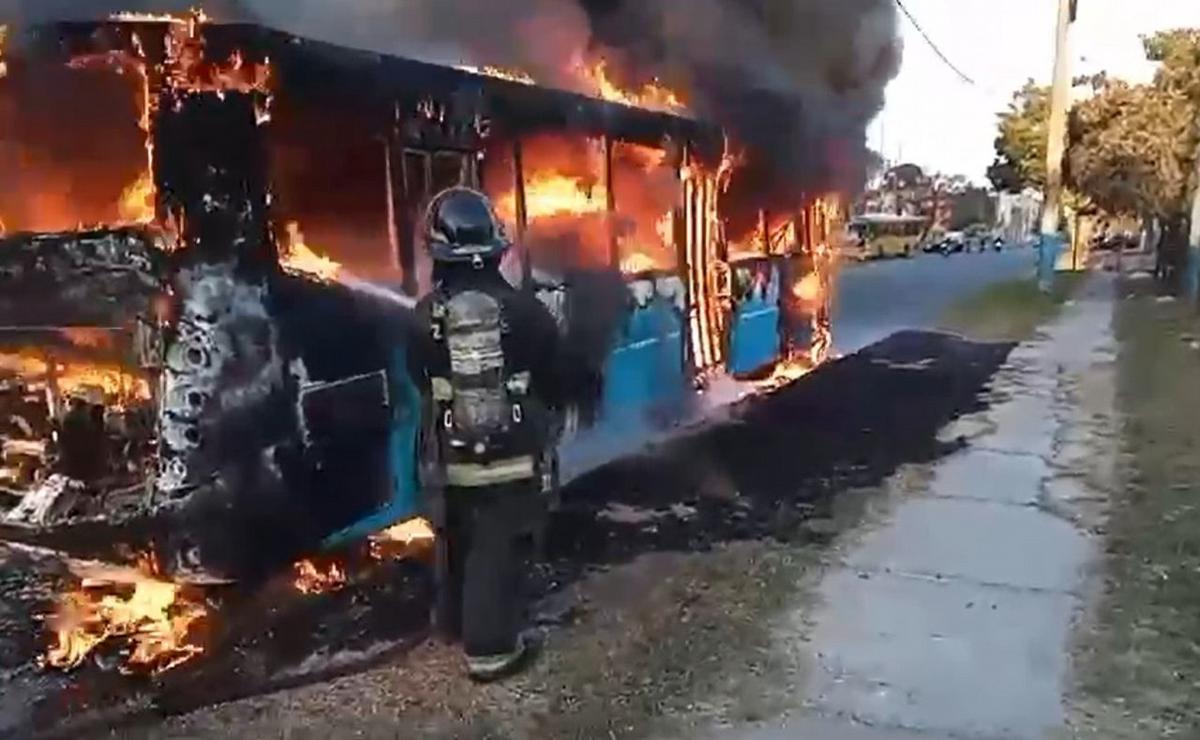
(430,126)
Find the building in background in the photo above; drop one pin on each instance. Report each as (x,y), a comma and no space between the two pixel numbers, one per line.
(947,202)
(1017,214)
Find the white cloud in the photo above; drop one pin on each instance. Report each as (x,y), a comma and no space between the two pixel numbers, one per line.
(934,119)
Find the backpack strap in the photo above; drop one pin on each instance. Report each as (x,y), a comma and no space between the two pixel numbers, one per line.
(441,387)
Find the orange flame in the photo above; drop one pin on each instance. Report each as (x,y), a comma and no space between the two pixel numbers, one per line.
(501,73)
(132,17)
(731,161)
(3,43)
(162,623)
(827,213)
(412,538)
(780,238)
(594,79)
(787,372)
(637,262)
(158,619)
(665,227)
(822,344)
(193,70)
(313,578)
(813,290)
(647,158)
(652,95)
(137,200)
(548,194)
(82,336)
(298,257)
(566,200)
(118,385)
(640,257)
(232,75)
(409,539)
(808,289)
(750,245)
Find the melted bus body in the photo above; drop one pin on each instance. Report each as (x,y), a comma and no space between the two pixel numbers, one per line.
(614,211)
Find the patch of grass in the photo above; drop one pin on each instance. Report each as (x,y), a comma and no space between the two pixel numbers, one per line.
(1009,311)
(1140,667)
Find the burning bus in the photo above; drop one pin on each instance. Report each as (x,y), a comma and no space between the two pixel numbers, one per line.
(208,255)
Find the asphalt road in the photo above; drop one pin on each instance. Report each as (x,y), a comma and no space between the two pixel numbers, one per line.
(873,300)
(876,299)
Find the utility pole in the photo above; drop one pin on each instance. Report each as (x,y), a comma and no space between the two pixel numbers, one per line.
(1056,145)
(883,139)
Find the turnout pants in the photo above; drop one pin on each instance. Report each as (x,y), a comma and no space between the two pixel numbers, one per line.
(488,538)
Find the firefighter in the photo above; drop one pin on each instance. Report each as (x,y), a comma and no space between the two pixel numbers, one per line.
(487,452)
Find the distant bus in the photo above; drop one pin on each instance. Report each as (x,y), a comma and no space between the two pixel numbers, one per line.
(881,235)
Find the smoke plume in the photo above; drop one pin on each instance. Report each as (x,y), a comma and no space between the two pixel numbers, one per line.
(795,81)
(746,62)
(534,35)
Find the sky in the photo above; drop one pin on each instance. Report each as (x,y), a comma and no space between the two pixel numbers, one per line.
(936,120)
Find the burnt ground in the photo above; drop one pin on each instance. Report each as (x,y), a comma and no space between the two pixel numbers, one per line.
(775,464)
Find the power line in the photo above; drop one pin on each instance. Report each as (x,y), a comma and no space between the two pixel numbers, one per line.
(932,45)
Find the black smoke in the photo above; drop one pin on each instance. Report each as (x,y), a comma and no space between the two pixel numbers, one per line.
(795,81)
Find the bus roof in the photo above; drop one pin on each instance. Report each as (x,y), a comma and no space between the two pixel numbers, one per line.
(344,78)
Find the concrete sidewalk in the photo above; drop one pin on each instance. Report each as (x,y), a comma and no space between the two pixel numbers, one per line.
(952,617)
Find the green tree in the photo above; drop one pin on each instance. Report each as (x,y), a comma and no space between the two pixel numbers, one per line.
(1178,55)
(1131,146)
(1021,142)
(1132,149)
(907,176)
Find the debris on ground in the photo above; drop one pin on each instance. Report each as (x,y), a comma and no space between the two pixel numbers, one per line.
(784,458)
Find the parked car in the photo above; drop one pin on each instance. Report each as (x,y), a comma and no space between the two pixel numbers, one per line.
(1115,242)
(954,243)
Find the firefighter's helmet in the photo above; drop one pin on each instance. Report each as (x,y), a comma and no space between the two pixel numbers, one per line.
(460,226)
